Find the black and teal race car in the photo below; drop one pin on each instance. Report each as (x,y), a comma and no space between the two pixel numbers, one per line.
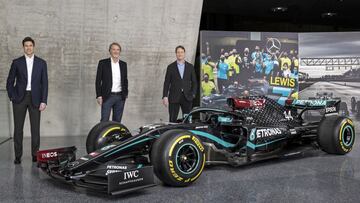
(251,129)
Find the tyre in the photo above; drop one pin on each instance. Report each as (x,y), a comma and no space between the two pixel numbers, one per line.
(178,158)
(104,133)
(336,135)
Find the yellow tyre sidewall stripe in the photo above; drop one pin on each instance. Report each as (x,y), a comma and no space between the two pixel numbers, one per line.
(346,122)
(109,130)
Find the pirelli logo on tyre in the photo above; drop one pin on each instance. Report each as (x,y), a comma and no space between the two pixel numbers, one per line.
(173,173)
(198,143)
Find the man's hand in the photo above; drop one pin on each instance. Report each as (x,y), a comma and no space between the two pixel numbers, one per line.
(99,100)
(165,101)
(42,107)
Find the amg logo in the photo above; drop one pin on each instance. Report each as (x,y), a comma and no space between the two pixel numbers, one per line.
(131,174)
(267,132)
(49,155)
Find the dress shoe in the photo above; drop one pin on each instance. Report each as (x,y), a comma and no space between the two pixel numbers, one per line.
(17,161)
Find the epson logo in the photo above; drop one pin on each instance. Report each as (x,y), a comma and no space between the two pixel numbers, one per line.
(131,174)
(261,133)
(330,109)
(49,155)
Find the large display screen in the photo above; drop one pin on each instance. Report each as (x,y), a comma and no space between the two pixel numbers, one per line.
(248,64)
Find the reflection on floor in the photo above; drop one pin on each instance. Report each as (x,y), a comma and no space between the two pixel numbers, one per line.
(316,178)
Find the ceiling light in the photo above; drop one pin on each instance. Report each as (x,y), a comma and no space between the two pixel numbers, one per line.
(328,14)
(279,9)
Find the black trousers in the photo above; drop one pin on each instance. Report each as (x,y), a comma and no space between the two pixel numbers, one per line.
(221,84)
(19,111)
(174,108)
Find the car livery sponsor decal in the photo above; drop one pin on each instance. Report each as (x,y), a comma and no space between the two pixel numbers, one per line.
(201,127)
(267,132)
(49,155)
(309,102)
(330,109)
(115,169)
(107,147)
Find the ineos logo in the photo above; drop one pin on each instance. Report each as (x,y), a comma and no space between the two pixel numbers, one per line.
(131,174)
(49,155)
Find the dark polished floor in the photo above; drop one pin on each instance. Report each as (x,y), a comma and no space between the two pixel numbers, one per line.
(318,177)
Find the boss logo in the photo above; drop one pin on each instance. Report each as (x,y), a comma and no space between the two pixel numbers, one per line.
(131,174)
(49,155)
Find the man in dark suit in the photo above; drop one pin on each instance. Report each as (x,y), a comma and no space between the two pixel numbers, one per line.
(180,85)
(27,87)
(112,84)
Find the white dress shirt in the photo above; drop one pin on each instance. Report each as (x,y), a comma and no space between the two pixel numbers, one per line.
(116,76)
(29,66)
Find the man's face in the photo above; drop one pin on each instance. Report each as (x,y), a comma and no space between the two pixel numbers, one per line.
(28,48)
(180,54)
(206,78)
(115,51)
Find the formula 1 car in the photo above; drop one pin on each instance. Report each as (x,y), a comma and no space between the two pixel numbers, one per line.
(251,129)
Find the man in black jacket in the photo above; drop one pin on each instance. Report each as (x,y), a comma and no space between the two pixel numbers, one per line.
(180,85)
(112,84)
(27,87)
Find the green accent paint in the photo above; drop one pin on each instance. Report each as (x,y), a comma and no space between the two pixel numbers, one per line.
(213,138)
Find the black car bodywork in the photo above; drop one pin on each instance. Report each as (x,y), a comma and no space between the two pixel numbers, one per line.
(251,129)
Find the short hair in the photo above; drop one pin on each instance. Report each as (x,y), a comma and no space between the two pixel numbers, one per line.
(179,47)
(28,39)
(116,44)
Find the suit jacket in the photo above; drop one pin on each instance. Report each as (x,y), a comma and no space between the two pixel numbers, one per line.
(39,81)
(103,83)
(174,85)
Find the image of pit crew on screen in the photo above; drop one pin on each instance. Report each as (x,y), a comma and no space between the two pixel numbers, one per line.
(236,64)
(330,70)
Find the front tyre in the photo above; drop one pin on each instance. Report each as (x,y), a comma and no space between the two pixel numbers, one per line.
(336,135)
(104,133)
(178,158)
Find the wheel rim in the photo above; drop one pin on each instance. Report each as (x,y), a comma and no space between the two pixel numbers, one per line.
(347,135)
(187,158)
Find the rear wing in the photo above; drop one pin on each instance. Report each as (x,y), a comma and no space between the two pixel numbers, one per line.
(330,106)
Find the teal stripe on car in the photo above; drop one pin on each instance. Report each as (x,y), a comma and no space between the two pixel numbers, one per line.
(253,146)
(213,138)
(129,145)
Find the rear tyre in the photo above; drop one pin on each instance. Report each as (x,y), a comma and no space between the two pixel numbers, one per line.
(336,135)
(104,133)
(178,158)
